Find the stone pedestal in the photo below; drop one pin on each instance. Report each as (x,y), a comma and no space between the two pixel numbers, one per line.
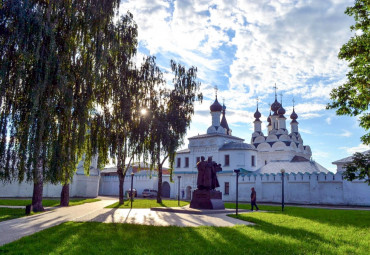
(207,199)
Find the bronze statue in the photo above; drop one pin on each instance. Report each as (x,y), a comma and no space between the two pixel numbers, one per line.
(207,177)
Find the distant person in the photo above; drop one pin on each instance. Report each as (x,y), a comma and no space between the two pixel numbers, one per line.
(183,193)
(253,199)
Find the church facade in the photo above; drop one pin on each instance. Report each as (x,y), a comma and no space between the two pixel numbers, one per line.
(265,154)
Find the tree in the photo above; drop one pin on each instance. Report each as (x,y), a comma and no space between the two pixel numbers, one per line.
(359,168)
(126,94)
(353,97)
(50,56)
(172,113)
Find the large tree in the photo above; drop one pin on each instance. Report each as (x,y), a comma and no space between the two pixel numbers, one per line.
(51,52)
(125,96)
(171,116)
(353,97)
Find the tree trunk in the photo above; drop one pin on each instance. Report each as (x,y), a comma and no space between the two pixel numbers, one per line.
(37,196)
(64,196)
(121,178)
(159,194)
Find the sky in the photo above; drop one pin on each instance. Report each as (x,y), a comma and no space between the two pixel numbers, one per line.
(244,48)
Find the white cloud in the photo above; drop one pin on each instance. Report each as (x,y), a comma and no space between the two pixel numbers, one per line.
(360,148)
(346,133)
(328,120)
(306,131)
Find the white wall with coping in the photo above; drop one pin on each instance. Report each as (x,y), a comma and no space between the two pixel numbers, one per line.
(109,184)
(299,188)
(81,186)
(302,188)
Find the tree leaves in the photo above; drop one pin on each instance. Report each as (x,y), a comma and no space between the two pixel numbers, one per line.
(353,97)
(358,168)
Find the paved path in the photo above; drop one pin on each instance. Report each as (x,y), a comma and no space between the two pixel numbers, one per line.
(15,229)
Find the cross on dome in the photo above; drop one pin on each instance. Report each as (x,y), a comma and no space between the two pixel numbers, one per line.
(275,89)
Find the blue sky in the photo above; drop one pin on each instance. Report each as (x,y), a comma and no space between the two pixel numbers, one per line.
(244,48)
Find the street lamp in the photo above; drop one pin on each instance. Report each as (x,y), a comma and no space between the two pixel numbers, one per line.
(132,184)
(237,171)
(282,188)
(178,192)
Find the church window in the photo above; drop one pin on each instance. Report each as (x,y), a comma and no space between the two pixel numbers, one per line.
(253,163)
(227,188)
(227,160)
(186,162)
(178,162)
(265,162)
(198,159)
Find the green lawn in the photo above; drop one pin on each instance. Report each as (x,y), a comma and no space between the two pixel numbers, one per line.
(11,213)
(148,203)
(248,207)
(46,202)
(295,231)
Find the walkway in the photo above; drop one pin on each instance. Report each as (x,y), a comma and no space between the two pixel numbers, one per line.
(15,229)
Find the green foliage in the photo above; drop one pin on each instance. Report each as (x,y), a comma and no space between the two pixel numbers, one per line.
(353,97)
(51,53)
(47,202)
(171,112)
(147,203)
(295,231)
(359,168)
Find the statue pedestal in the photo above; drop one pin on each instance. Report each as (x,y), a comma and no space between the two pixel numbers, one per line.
(207,199)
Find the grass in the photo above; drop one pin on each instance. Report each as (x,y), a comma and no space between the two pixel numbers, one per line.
(147,203)
(294,231)
(248,207)
(46,202)
(11,213)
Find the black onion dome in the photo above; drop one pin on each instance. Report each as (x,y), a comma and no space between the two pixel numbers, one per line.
(257,115)
(293,116)
(281,111)
(216,107)
(269,118)
(275,106)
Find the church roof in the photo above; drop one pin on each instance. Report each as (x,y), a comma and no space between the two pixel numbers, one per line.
(215,134)
(347,159)
(183,151)
(292,167)
(236,146)
(223,120)
(216,106)
(299,159)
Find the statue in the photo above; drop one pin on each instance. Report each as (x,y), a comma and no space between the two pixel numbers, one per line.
(207,174)
(206,197)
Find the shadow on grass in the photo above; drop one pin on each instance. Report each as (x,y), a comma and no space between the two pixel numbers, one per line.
(98,238)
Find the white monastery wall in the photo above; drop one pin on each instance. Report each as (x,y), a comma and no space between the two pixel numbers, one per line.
(81,186)
(298,188)
(109,184)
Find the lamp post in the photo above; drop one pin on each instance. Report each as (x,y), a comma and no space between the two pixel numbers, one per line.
(237,171)
(132,185)
(178,191)
(282,188)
